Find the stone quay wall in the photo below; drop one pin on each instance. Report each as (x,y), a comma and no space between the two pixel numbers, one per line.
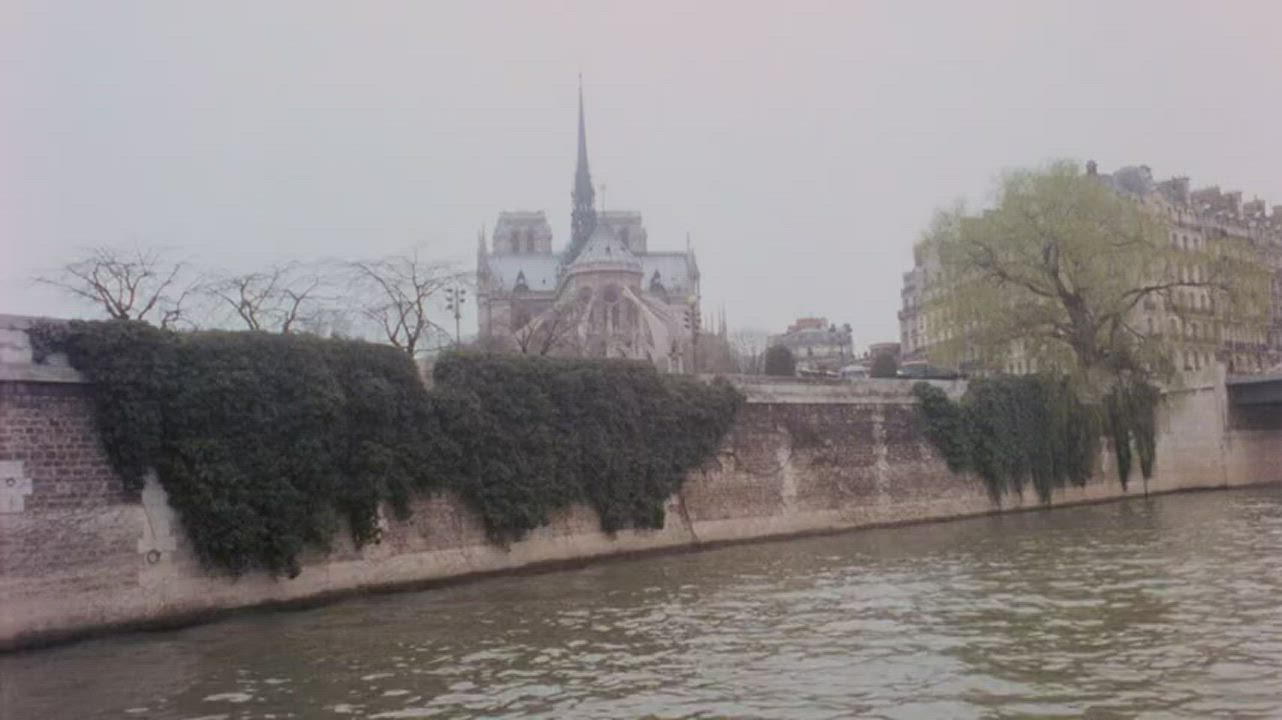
(79,555)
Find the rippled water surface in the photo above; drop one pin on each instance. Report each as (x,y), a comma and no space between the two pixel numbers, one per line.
(1170,607)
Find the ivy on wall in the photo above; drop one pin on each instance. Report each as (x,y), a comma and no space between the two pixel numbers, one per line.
(543,433)
(269,444)
(1016,431)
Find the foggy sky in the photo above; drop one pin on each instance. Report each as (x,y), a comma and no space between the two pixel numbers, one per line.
(803,146)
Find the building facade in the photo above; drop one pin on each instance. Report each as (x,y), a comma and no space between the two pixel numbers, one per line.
(605,294)
(1199,330)
(820,348)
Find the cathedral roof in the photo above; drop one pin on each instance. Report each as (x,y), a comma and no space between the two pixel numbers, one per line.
(540,271)
(674,270)
(604,251)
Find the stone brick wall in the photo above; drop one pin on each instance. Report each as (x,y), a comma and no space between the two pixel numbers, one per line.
(79,554)
(61,506)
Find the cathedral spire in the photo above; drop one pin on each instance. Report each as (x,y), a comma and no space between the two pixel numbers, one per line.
(583,216)
(583,192)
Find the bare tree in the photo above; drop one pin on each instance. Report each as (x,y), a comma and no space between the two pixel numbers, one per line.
(297,295)
(395,294)
(328,321)
(247,294)
(281,298)
(748,348)
(556,330)
(716,354)
(140,284)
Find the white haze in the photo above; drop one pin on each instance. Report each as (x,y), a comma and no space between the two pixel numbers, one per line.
(803,146)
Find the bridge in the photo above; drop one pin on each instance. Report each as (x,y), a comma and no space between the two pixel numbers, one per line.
(1255,401)
(1255,389)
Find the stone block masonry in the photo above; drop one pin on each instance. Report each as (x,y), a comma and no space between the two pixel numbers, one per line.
(79,554)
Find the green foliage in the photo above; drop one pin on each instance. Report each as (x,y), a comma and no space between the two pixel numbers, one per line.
(884,365)
(546,433)
(780,362)
(944,423)
(1013,431)
(268,444)
(1068,273)
(1131,413)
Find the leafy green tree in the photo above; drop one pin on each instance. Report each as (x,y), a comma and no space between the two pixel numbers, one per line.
(884,365)
(780,362)
(1070,274)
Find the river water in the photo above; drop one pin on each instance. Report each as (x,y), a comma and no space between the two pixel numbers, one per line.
(1168,607)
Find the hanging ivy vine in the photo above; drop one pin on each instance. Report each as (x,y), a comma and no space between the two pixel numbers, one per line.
(1016,431)
(268,444)
(543,433)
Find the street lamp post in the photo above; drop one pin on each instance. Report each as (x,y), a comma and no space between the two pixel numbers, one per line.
(454,299)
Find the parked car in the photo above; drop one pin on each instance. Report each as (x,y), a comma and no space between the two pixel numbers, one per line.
(854,372)
(921,370)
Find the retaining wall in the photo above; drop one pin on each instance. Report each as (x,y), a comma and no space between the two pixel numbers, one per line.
(78,554)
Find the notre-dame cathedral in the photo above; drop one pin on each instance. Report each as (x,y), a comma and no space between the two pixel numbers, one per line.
(605,294)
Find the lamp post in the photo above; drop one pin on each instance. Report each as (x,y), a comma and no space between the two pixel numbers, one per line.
(454,299)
